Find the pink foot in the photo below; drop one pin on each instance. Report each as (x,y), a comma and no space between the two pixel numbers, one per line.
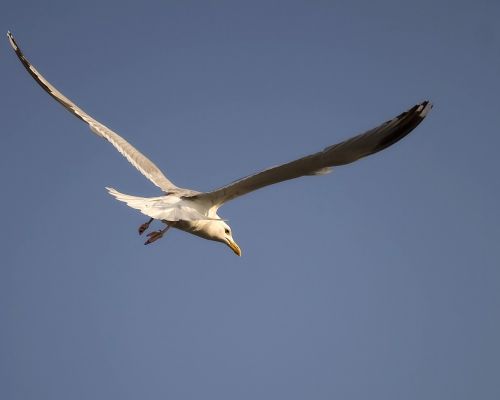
(144,226)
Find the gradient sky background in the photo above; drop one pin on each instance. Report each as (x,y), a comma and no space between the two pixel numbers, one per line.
(380,281)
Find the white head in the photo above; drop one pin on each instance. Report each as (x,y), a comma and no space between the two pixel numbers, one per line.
(221,232)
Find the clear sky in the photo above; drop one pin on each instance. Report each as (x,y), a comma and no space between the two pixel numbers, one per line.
(380,280)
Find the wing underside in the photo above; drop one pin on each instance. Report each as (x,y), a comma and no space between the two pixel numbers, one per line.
(134,156)
(346,152)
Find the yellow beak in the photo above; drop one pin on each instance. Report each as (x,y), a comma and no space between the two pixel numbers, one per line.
(234,247)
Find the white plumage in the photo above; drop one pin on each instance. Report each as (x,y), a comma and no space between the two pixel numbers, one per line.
(165,208)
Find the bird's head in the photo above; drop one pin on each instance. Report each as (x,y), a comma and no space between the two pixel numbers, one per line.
(221,232)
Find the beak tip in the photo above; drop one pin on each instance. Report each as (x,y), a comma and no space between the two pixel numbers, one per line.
(235,248)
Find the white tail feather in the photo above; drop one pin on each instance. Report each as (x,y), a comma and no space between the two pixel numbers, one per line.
(164,208)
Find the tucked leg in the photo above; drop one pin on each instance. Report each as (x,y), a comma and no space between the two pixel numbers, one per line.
(145,226)
(154,236)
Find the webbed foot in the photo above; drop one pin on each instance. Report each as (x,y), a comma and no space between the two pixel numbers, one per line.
(144,226)
(154,236)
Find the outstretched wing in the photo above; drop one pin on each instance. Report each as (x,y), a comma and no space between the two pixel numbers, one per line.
(136,158)
(320,163)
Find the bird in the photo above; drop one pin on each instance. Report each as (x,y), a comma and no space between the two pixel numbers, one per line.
(195,212)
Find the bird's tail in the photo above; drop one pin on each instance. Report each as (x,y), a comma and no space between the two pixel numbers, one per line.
(154,207)
(132,201)
(164,208)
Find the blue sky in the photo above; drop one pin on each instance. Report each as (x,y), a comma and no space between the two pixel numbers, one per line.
(378,281)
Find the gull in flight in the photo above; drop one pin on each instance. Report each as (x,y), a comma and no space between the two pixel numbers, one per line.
(196,212)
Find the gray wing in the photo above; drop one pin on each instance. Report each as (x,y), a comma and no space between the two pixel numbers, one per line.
(346,152)
(136,158)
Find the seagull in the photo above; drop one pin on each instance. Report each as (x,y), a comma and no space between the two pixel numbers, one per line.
(196,212)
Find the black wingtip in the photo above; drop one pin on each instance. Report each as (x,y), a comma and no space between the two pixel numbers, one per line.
(424,108)
(12,41)
(408,121)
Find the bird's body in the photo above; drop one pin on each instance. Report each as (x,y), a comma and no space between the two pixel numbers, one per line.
(196,212)
(196,217)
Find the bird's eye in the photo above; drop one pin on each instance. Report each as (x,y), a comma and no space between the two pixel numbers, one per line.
(227,231)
